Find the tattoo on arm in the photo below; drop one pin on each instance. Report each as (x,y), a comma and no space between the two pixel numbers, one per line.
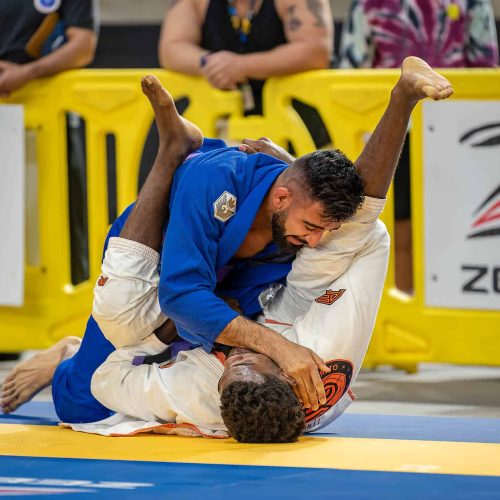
(315,8)
(294,22)
(170,4)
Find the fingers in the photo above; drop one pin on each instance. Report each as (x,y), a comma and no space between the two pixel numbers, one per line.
(320,363)
(311,384)
(245,148)
(303,393)
(255,145)
(318,388)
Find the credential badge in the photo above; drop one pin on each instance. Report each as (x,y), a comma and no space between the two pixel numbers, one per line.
(47,6)
(225,206)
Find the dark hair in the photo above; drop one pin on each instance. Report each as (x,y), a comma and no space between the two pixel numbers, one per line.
(331,179)
(268,412)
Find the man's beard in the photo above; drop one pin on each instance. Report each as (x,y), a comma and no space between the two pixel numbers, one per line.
(278,220)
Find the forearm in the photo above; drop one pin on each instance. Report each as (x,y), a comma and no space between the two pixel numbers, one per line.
(286,59)
(72,54)
(242,332)
(378,160)
(183,57)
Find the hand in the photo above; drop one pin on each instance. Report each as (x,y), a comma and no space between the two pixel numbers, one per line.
(303,365)
(223,70)
(265,145)
(13,77)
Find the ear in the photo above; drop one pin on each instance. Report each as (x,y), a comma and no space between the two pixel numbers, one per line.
(282,197)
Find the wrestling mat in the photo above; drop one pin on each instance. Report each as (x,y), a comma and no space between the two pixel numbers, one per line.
(357,457)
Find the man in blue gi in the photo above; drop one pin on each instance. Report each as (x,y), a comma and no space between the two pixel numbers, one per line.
(226,211)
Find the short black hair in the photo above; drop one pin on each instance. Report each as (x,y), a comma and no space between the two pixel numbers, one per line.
(331,178)
(267,412)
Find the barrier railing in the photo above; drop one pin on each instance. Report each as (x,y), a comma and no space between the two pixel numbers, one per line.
(117,118)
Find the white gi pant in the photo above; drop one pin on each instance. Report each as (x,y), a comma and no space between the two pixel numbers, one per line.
(329,305)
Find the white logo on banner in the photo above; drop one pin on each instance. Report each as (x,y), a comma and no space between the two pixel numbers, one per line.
(462,204)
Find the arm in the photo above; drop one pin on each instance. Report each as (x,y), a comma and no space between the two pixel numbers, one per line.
(188,281)
(356,45)
(300,363)
(179,46)
(482,44)
(76,52)
(351,262)
(308,27)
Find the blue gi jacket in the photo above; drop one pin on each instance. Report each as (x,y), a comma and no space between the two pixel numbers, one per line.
(198,245)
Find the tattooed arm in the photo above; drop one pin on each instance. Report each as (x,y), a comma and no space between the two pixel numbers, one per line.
(180,48)
(308,28)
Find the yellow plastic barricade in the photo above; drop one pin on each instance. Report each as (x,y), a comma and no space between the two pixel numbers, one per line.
(110,102)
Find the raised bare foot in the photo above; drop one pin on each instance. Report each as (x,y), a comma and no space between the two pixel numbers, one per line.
(173,129)
(32,375)
(418,81)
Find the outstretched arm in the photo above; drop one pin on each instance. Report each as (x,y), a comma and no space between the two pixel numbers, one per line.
(78,51)
(377,163)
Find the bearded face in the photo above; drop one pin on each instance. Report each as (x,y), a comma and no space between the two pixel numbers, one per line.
(278,222)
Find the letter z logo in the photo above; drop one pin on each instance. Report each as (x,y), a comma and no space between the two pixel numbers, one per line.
(330,296)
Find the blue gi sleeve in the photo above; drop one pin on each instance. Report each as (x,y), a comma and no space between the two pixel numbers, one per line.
(188,267)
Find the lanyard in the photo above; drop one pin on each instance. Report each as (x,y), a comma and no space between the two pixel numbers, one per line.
(241,25)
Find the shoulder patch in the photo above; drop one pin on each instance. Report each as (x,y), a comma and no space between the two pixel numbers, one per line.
(330,296)
(225,206)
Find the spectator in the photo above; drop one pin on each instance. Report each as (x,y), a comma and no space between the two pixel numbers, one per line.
(447,34)
(42,38)
(240,43)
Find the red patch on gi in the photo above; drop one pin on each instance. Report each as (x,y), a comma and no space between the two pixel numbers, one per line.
(330,296)
(102,280)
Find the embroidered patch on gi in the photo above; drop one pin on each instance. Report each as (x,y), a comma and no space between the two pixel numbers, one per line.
(46,6)
(270,293)
(102,280)
(330,296)
(225,206)
(336,383)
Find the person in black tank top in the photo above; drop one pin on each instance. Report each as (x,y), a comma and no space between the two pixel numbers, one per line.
(284,37)
(267,33)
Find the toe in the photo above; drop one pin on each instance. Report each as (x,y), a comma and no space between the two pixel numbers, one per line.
(430,91)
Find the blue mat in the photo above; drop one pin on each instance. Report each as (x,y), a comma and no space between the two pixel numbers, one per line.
(132,480)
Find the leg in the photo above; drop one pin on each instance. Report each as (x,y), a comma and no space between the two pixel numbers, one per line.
(124,266)
(403,255)
(178,137)
(378,161)
(32,375)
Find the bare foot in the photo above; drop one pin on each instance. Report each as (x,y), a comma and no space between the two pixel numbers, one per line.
(32,375)
(173,129)
(418,81)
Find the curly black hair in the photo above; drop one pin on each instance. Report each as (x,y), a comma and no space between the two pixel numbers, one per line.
(330,178)
(268,412)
